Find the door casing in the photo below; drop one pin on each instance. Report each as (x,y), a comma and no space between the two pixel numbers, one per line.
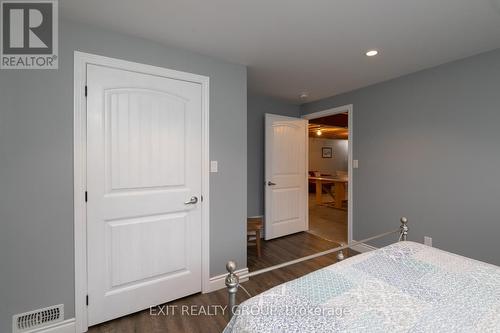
(80,164)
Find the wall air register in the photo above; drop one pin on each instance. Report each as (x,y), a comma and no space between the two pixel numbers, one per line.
(28,321)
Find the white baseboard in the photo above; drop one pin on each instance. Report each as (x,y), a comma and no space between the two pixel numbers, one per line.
(217,282)
(66,326)
(363,247)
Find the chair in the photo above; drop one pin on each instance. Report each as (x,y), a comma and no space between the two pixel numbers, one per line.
(254,227)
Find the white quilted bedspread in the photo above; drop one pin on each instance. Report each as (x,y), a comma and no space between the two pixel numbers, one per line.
(404,287)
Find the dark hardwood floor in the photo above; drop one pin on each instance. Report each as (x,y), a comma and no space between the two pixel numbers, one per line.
(273,252)
(286,248)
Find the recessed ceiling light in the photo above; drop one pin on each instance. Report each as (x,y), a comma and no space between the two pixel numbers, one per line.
(371,53)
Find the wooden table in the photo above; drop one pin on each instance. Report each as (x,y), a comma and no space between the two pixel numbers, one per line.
(340,188)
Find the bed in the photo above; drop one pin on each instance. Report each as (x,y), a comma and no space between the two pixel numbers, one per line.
(404,287)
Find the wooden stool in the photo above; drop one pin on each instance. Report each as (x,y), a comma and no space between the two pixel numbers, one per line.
(254,227)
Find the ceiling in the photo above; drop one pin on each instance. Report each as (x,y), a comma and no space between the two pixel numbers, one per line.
(316,46)
(336,120)
(331,127)
(328,132)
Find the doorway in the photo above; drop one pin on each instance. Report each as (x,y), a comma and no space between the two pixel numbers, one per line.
(295,224)
(330,174)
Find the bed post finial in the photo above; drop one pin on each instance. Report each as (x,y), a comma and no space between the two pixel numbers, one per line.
(403,234)
(232,283)
(340,254)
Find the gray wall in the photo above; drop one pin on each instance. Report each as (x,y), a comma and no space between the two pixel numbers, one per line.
(339,160)
(36,168)
(257,107)
(428,146)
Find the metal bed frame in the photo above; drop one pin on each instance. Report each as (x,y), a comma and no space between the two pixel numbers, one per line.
(232,280)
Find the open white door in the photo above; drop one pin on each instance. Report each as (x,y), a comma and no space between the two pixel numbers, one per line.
(144,177)
(286,176)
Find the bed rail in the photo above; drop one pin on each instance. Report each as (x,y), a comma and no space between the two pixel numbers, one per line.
(233,281)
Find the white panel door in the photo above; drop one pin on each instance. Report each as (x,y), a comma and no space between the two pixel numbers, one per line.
(144,167)
(286,176)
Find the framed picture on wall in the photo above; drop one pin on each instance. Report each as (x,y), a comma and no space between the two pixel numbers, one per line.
(326,152)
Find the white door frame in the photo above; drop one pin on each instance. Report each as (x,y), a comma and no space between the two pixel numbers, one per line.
(329,112)
(80,165)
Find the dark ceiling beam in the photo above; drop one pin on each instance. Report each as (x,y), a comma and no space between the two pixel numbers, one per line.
(337,120)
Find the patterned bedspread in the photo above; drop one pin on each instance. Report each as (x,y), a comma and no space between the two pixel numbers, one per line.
(404,287)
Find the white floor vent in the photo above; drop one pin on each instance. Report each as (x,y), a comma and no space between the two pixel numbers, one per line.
(27,321)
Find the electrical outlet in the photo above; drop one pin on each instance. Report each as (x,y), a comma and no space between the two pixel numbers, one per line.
(428,241)
(214,166)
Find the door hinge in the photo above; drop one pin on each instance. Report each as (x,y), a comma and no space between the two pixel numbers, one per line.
(86,91)
(86,196)
(87,300)
(201,198)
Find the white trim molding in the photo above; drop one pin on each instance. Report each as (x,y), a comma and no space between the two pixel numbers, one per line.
(218,282)
(350,202)
(66,326)
(80,163)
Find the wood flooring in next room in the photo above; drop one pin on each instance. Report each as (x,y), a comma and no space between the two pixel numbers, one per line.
(273,252)
(327,222)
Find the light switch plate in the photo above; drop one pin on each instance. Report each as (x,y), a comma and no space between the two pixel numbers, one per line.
(214,166)
(428,241)
(355,164)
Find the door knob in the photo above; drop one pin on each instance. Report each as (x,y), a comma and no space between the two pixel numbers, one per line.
(191,201)
(270,183)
